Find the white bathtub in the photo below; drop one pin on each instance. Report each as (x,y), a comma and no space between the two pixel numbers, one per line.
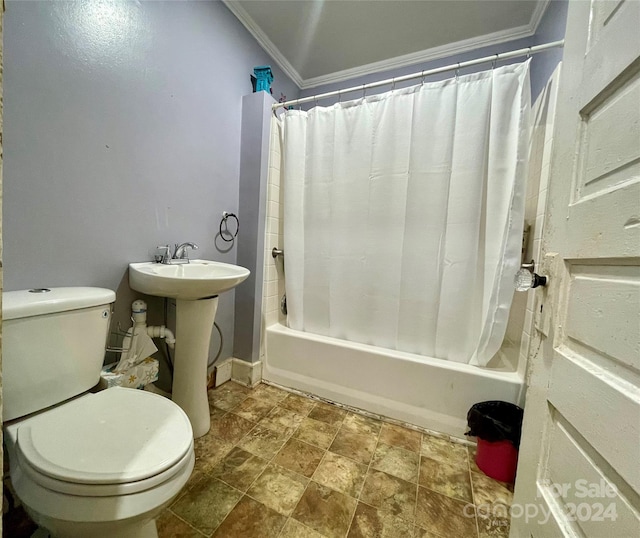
(430,393)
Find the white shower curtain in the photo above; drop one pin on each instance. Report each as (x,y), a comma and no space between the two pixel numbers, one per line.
(403,215)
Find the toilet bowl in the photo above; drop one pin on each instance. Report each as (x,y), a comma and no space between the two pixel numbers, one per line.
(100,464)
(104,464)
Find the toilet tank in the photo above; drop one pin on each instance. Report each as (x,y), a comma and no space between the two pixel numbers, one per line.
(53,345)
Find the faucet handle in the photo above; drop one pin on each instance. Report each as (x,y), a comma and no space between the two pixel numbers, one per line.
(166,256)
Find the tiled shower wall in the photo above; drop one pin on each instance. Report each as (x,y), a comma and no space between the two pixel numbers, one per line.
(273,289)
(515,347)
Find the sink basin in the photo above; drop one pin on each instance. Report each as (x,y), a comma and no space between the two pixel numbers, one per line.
(190,281)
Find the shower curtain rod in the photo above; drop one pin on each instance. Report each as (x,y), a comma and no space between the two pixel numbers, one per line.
(460,65)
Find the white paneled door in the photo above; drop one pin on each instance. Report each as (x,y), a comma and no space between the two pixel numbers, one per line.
(579,469)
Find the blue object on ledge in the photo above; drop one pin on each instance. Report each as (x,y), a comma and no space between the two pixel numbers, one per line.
(264,78)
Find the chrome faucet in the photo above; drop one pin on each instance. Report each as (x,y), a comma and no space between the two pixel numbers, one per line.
(180,254)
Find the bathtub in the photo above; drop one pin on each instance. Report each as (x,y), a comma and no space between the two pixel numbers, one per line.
(431,393)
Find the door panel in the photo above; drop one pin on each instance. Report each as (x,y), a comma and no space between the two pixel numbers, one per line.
(610,155)
(601,407)
(568,459)
(582,414)
(600,293)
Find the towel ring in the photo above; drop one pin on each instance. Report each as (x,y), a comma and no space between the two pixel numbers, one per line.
(225,216)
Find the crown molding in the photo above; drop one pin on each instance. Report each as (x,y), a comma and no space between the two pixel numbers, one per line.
(264,41)
(422,56)
(434,53)
(537,14)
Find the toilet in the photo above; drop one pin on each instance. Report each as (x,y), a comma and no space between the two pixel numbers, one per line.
(84,464)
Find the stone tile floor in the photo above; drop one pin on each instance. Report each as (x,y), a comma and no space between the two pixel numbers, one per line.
(279,465)
(276,464)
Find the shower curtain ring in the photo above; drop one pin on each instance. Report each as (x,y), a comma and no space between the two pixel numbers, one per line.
(493,63)
(458,71)
(424,78)
(393,84)
(529,53)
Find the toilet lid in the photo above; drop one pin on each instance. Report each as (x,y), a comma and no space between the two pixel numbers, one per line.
(112,437)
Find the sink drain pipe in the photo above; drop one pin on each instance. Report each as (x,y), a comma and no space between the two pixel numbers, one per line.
(139,318)
(130,340)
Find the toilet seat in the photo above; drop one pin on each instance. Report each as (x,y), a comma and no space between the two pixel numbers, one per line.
(115,442)
(102,490)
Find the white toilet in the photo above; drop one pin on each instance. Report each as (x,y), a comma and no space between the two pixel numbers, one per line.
(84,464)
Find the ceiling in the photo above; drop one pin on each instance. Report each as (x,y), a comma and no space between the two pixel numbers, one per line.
(322,41)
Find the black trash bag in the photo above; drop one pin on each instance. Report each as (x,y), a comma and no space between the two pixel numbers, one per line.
(495,421)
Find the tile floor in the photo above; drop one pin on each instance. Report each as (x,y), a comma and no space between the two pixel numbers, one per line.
(278,465)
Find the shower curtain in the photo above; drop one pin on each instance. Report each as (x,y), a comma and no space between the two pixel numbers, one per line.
(403,214)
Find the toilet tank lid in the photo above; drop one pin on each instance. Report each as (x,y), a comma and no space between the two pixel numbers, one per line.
(39,301)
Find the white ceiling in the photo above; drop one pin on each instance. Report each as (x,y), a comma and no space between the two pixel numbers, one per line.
(321,41)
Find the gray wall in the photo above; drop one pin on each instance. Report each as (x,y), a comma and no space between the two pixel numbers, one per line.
(254,162)
(551,28)
(122,132)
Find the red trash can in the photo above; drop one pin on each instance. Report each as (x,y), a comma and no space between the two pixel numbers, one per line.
(498,426)
(497,460)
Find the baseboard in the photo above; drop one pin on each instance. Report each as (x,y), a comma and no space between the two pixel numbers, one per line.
(246,373)
(222,372)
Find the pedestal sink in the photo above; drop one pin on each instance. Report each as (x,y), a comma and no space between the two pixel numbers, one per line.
(195,286)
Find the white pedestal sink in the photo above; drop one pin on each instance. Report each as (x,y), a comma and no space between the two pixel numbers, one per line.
(195,286)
